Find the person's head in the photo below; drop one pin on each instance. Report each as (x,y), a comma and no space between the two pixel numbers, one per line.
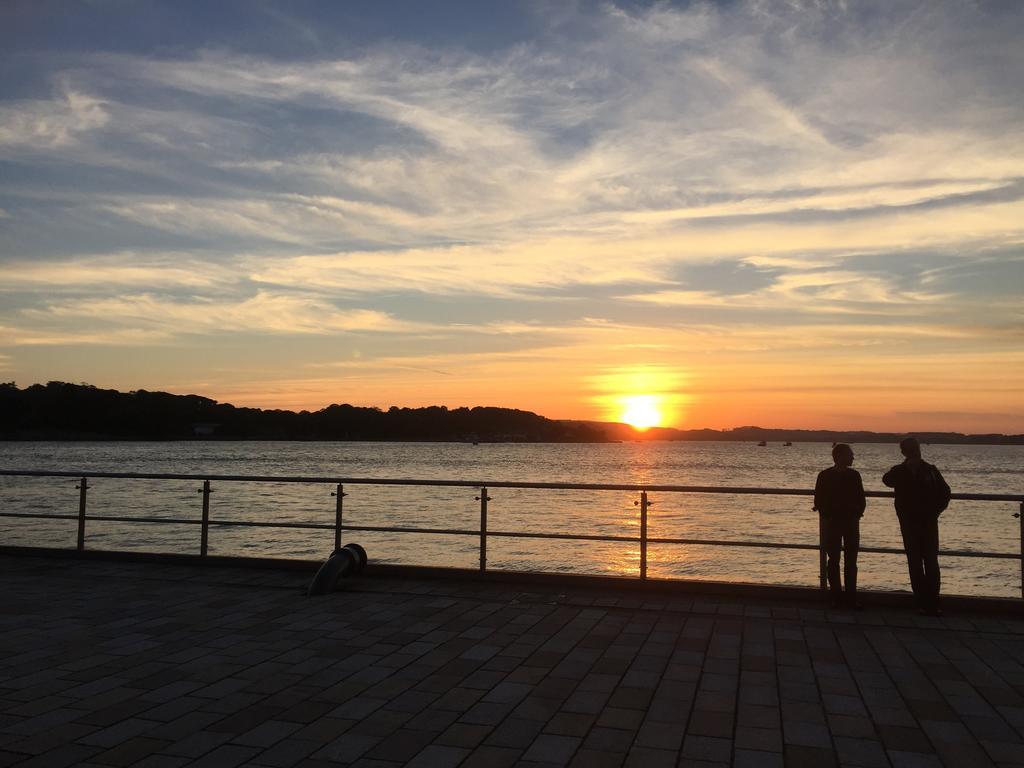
(842,455)
(910,448)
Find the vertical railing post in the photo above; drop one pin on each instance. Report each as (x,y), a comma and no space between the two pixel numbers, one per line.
(644,504)
(1020,519)
(483,498)
(204,540)
(82,486)
(822,563)
(338,495)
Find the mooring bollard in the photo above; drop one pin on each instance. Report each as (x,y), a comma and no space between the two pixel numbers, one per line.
(349,560)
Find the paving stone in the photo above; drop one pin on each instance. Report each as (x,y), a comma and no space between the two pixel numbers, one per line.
(62,756)
(486,713)
(348,747)
(707,748)
(759,739)
(613,717)
(227,756)
(325,729)
(539,708)
(704,723)
(851,725)
(438,756)
(47,740)
(843,705)
(464,735)
(746,758)
(1004,752)
(118,733)
(570,724)
(646,757)
(592,702)
(163,761)
(508,693)
(797,756)
(609,739)
(893,716)
(861,752)
(903,739)
(659,736)
(287,752)
(591,758)
(968,755)
(515,732)
(913,760)
(550,748)
(756,716)
(492,757)
(199,743)
(130,751)
(806,734)
(993,729)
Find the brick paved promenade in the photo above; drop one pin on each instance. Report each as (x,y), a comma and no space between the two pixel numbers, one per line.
(168,665)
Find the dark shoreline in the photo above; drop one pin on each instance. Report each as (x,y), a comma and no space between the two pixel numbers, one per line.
(58,411)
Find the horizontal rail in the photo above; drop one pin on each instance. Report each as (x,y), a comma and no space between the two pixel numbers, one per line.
(404,529)
(505,534)
(567,536)
(261,524)
(78,474)
(792,545)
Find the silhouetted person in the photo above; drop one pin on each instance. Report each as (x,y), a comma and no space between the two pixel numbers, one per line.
(839,499)
(921,496)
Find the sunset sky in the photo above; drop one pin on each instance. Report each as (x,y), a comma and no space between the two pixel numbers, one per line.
(778,213)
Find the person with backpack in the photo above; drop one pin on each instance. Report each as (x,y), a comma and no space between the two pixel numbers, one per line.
(922,494)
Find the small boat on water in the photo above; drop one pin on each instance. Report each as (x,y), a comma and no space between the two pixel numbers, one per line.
(786,444)
(762,444)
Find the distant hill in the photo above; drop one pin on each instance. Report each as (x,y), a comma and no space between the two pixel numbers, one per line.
(61,411)
(616,431)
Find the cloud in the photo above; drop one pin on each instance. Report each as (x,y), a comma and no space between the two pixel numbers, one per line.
(120,269)
(29,335)
(46,124)
(263,313)
(526,268)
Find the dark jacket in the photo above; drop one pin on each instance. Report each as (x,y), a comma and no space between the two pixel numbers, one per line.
(839,493)
(921,492)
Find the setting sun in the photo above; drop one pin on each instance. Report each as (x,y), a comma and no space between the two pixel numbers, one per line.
(641,411)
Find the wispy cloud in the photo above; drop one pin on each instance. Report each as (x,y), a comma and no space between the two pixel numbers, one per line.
(117,270)
(47,124)
(262,313)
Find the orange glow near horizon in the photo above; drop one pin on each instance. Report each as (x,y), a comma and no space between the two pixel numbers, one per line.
(643,397)
(641,411)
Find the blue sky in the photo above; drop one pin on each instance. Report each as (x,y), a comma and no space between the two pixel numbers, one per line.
(784,213)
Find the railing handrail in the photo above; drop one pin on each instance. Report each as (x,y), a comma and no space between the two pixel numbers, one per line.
(637,487)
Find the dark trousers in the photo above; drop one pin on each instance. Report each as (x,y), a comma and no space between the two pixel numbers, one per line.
(921,542)
(842,534)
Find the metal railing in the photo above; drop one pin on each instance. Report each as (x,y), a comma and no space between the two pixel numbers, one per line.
(483,532)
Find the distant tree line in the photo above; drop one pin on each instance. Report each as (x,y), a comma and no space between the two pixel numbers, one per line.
(62,411)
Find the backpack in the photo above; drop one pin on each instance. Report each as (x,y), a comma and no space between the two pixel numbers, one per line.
(938,491)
